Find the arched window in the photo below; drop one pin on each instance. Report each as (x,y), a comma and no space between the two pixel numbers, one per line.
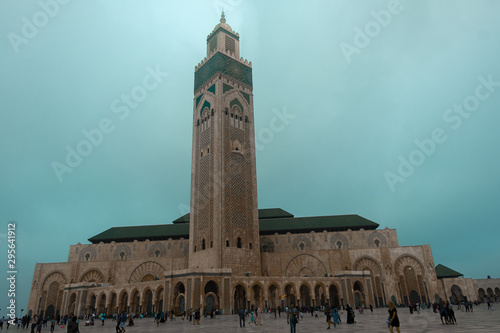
(87,257)
(250,246)
(227,243)
(203,244)
(339,244)
(377,243)
(157,253)
(238,243)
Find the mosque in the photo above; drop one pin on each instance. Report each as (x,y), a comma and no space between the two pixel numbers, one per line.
(226,253)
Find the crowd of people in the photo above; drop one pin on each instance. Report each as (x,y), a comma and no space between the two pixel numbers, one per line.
(254,316)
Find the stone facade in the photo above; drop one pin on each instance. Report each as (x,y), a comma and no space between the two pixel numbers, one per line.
(335,268)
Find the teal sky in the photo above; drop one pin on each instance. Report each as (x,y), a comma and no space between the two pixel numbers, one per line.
(360,103)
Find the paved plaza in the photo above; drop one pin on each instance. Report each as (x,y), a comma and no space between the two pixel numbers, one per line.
(481,320)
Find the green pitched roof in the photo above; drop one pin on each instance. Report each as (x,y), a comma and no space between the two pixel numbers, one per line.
(446,272)
(182,219)
(273,213)
(142,232)
(271,220)
(316,223)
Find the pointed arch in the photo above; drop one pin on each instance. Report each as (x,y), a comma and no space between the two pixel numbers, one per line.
(146,270)
(92,275)
(57,276)
(307,265)
(368,263)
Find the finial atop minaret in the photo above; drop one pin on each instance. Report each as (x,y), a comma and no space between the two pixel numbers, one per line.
(222,17)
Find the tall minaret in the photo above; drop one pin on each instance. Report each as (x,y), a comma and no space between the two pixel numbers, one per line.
(224,225)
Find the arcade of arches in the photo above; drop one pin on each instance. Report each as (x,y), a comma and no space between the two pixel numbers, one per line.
(148,289)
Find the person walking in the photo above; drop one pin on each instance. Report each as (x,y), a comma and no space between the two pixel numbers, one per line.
(33,324)
(443,312)
(350,314)
(123,320)
(335,317)
(197,317)
(393,317)
(101,317)
(328,313)
(451,314)
(241,314)
(292,318)
(52,325)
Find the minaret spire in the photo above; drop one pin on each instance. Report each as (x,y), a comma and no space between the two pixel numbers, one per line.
(222,17)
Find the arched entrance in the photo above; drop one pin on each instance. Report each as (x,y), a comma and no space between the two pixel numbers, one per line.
(101,304)
(54,299)
(334,296)
(159,299)
(72,304)
(135,302)
(414,298)
(50,313)
(372,265)
(211,296)
(482,294)
(257,294)
(359,298)
(92,305)
(112,308)
(274,296)
(305,295)
(490,295)
(319,295)
(178,298)
(123,302)
(239,299)
(147,302)
(411,275)
(181,304)
(456,294)
(210,303)
(290,295)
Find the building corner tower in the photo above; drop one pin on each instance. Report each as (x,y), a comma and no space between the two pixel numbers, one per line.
(224,224)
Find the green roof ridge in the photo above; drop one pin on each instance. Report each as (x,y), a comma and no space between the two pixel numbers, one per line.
(445,272)
(271,220)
